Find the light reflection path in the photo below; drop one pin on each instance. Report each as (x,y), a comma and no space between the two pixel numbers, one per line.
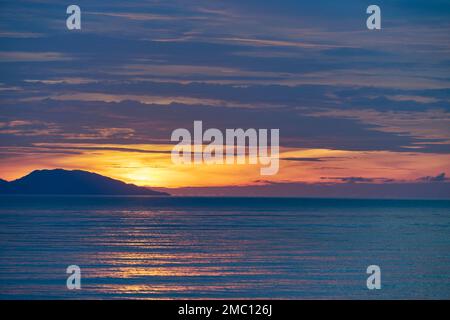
(223,248)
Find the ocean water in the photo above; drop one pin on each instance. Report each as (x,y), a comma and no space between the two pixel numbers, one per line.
(172,248)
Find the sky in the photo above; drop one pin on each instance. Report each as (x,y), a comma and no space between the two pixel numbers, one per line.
(355,107)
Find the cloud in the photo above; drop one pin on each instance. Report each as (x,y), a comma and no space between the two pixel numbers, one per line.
(156,122)
(358,179)
(430,128)
(279,43)
(135,16)
(324,190)
(68,80)
(439,178)
(20,35)
(18,56)
(144,99)
(300,159)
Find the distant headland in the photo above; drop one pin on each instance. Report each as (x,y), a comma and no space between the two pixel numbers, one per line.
(71,182)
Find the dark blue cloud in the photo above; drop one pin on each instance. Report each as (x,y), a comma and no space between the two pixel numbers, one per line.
(287,60)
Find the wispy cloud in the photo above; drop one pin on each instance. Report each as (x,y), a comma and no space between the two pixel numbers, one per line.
(134,16)
(21,56)
(438,178)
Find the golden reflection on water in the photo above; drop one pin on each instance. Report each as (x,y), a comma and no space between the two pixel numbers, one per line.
(185,271)
(163,288)
(124,265)
(173,262)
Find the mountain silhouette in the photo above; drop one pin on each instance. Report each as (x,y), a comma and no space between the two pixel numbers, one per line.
(60,181)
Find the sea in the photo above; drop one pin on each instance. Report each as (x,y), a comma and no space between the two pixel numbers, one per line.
(216,248)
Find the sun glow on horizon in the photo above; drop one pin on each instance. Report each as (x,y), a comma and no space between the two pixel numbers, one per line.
(151,165)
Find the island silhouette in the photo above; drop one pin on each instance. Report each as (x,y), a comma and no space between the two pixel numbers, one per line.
(67,182)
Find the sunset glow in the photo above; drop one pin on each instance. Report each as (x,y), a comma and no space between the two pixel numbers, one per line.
(151,165)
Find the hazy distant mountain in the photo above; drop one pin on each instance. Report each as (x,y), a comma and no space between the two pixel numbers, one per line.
(3,182)
(59,181)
